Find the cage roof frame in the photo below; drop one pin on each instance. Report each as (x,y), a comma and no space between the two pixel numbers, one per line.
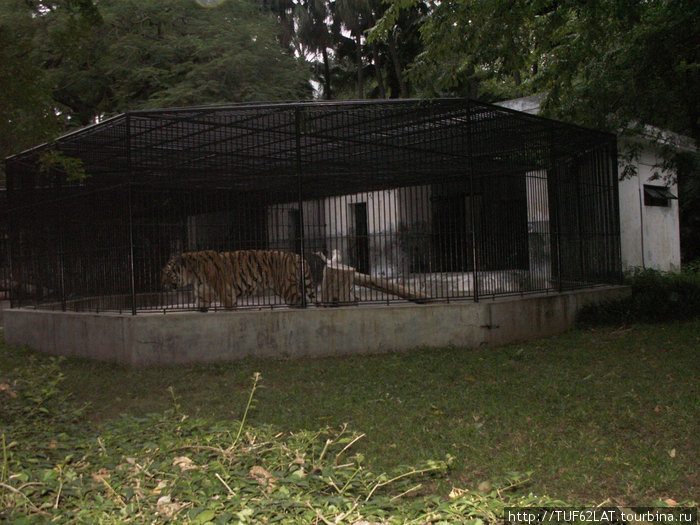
(344,142)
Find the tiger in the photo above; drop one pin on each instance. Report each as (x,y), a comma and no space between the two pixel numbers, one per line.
(230,275)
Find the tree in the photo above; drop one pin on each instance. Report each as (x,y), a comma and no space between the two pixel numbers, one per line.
(70,62)
(618,65)
(399,46)
(473,48)
(318,30)
(173,53)
(356,16)
(28,112)
(350,66)
(605,63)
(382,58)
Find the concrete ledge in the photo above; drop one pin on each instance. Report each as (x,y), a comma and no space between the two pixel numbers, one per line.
(188,337)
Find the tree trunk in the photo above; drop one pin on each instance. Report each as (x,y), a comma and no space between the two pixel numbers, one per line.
(517,77)
(398,70)
(386,286)
(360,73)
(326,75)
(378,72)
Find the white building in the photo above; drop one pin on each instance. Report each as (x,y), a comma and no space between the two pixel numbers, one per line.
(649,214)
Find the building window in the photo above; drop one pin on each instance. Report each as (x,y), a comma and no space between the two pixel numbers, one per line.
(657,195)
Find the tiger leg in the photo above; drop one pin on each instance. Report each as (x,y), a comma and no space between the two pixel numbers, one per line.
(293,297)
(203,295)
(229,298)
(223,285)
(288,283)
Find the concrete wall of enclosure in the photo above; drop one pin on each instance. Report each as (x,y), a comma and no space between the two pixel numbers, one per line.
(423,200)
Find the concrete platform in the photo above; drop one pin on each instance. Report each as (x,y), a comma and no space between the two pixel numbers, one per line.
(188,337)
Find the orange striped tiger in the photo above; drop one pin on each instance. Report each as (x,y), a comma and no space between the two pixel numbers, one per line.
(230,275)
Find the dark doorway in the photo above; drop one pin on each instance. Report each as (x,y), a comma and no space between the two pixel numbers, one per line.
(452,232)
(361,251)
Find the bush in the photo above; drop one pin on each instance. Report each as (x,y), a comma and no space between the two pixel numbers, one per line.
(655,297)
(692,268)
(32,394)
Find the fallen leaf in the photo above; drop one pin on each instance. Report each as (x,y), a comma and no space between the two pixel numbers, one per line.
(299,459)
(672,452)
(5,387)
(184,463)
(456,493)
(263,477)
(670,502)
(159,488)
(484,486)
(167,507)
(260,473)
(299,473)
(101,475)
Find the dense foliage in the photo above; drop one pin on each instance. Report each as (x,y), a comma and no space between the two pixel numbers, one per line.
(654,297)
(604,63)
(26,106)
(69,62)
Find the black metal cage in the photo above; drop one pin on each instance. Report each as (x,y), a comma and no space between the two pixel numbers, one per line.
(382,201)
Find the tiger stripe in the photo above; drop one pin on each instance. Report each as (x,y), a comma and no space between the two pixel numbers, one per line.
(230,275)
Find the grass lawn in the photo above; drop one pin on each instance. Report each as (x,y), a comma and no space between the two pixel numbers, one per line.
(595,414)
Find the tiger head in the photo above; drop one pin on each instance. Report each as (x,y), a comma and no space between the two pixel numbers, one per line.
(170,276)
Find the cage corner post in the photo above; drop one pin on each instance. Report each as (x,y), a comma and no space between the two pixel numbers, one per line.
(10,224)
(61,222)
(615,189)
(555,199)
(298,115)
(472,218)
(130,200)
